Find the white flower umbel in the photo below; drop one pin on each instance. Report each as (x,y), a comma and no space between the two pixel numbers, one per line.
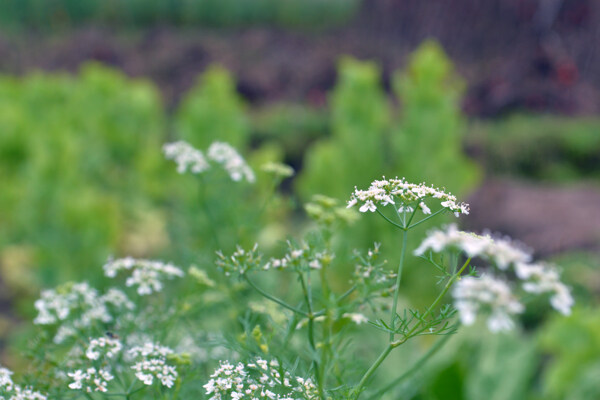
(258,380)
(232,161)
(152,364)
(502,252)
(543,278)
(78,306)
(356,318)
(103,347)
(404,196)
(90,380)
(146,275)
(489,296)
(10,391)
(186,157)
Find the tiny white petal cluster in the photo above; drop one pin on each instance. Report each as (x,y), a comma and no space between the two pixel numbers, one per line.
(90,380)
(147,275)
(77,306)
(232,161)
(473,296)
(258,380)
(298,257)
(500,251)
(152,363)
(186,157)
(103,347)
(356,318)
(404,196)
(10,391)
(543,278)
(535,278)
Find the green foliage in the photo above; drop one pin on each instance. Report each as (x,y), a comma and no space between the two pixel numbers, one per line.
(425,140)
(574,345)
(213,110)
(43,14)
(545,147)
(78,160)
(427,143)
(359,118)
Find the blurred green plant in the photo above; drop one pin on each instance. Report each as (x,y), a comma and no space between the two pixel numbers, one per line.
(425,140)
(79,164)
(212,110)
(541,147)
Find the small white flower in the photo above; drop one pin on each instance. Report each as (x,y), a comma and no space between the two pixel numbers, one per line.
(356,318)
(486,295)
(186,157)
(231,160)
(390,191)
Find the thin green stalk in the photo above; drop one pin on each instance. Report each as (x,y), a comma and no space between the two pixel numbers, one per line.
(397,286)
(390,221)
(426,218)
(371,370)
(311,330)
(274,299)
(414,368)
(209,216)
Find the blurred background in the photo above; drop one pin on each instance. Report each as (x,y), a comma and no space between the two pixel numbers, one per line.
(498,100)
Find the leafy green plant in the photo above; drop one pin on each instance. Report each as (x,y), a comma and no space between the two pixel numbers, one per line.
(79,163)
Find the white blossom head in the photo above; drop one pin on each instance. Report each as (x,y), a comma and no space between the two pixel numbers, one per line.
(258,379)
(151,364)
(146,275)
(500,251)
(487,296)
(90,380)
(507,257)
(405,197)
(232,161)
(186,157)
(11,391)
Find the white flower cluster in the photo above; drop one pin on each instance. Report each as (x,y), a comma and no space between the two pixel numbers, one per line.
(188,157)
(240,262)
(78,306)
(91,380)
(404,196)
(231,160)
(297,257)
(10,391)
(152,363)
(486,295)
(147,275)
(103,347)
(536,278)
(502,252)
(258,380)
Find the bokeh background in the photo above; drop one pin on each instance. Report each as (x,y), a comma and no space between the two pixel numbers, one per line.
(497,100)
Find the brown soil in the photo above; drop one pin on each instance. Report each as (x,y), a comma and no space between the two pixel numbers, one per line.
(515,54)
(550,219)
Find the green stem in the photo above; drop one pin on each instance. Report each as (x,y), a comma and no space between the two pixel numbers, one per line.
(209,216)
(356,392)
(426,218)
(390,221)
(397,286)
(311,330)
(274,299)
(415,367)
